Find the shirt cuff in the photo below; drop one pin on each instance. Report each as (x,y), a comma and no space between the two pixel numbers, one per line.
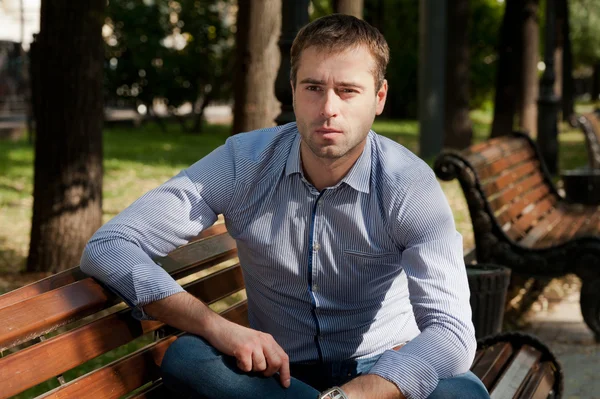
(414,378)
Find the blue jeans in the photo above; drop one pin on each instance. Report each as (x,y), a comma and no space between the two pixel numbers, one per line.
(192,368)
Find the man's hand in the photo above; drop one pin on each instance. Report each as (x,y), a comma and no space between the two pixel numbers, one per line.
(371,386)
(253,350)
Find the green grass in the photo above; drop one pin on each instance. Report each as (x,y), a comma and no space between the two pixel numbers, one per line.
(137,160)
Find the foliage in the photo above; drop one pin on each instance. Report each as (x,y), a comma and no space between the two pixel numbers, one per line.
(585,31)
(484,27)
(176,51)
(400,25)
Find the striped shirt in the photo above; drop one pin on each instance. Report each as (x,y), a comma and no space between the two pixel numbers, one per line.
(347,272)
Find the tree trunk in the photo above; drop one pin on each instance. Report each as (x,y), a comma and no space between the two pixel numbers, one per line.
(349,7)
(509,68)
(458,127)
(529,88)
(257,52)
(568,85)
(596,82)
(68,110)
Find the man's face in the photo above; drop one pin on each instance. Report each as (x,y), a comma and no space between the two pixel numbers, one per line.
(335,101)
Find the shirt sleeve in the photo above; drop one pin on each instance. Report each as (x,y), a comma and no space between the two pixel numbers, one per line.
(120,253)
(438,289)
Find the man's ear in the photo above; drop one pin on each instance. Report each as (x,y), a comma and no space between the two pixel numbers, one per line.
(381,97)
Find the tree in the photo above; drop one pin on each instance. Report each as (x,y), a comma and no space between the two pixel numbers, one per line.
(349,7)
(528,83)
(257,57)
(565,87)
(510,56)
(585,31)
(68,112)
(175,52)
(458,128)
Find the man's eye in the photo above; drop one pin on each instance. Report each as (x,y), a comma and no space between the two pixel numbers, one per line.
(348,91)
(313,88)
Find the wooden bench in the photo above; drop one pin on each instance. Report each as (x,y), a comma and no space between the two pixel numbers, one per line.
(521,221)
(589,124)
(49,328)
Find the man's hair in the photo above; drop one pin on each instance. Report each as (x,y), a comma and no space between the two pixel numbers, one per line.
(336,33)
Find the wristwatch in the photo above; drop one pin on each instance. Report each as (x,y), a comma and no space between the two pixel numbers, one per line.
(333,393)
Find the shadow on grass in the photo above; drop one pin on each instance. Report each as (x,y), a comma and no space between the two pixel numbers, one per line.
(147,144)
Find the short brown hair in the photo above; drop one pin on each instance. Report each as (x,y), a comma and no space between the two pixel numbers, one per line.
(339,32)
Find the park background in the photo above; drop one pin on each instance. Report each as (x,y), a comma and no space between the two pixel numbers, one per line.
(164,82)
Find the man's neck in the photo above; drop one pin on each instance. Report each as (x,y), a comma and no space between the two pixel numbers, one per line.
(323,172)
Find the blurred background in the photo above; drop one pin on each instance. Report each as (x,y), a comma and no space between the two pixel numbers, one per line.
(101,101)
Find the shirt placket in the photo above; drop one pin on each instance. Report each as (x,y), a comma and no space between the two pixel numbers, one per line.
(314,266)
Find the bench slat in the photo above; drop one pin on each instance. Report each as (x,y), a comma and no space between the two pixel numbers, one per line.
(520,368)
(33,317)
(501,164)
(540,383)
(490,365)
(499,200)
(510,176)
(75,274)
(538,210)
(154,391)
(39,287)
(131,372)
(197,252)
(38,363)
(535,237)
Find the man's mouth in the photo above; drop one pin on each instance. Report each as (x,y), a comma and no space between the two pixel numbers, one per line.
(327,131)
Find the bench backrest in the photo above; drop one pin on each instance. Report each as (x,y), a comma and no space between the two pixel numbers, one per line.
(59,323)
(506,186)
(590,126)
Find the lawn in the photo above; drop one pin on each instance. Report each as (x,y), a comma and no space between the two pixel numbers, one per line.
(136,160)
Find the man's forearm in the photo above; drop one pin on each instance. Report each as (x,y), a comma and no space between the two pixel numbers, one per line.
(183,311)
(371,386)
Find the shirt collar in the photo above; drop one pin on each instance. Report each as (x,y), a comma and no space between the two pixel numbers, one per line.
(358,177)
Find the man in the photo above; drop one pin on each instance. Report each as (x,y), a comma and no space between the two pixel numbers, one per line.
(351,259)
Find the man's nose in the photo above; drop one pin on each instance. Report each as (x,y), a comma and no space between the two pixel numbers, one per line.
(330,107)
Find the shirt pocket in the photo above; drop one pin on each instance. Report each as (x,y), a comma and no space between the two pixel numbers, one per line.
(374,257)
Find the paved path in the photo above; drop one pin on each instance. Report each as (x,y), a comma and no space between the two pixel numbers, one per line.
(563,330)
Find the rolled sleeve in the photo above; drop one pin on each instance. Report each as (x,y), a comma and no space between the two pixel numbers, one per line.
(438,290)
(120,254)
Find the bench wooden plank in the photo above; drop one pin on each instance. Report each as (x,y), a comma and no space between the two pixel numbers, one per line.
(39,362)
(39,287)
(154,391)
(496,167)
(512,193)
(216,232)
(535,213)
(509,177)
(492,362)
(512,380)
(131,372)
(39,315)
(540,383)
(541,230)
(513,210)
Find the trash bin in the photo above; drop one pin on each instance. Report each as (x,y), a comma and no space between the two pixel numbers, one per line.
(488,284)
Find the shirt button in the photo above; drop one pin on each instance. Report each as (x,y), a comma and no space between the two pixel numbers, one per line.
(315,287)
(316,247)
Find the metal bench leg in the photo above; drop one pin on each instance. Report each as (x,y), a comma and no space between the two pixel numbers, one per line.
(590,304)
